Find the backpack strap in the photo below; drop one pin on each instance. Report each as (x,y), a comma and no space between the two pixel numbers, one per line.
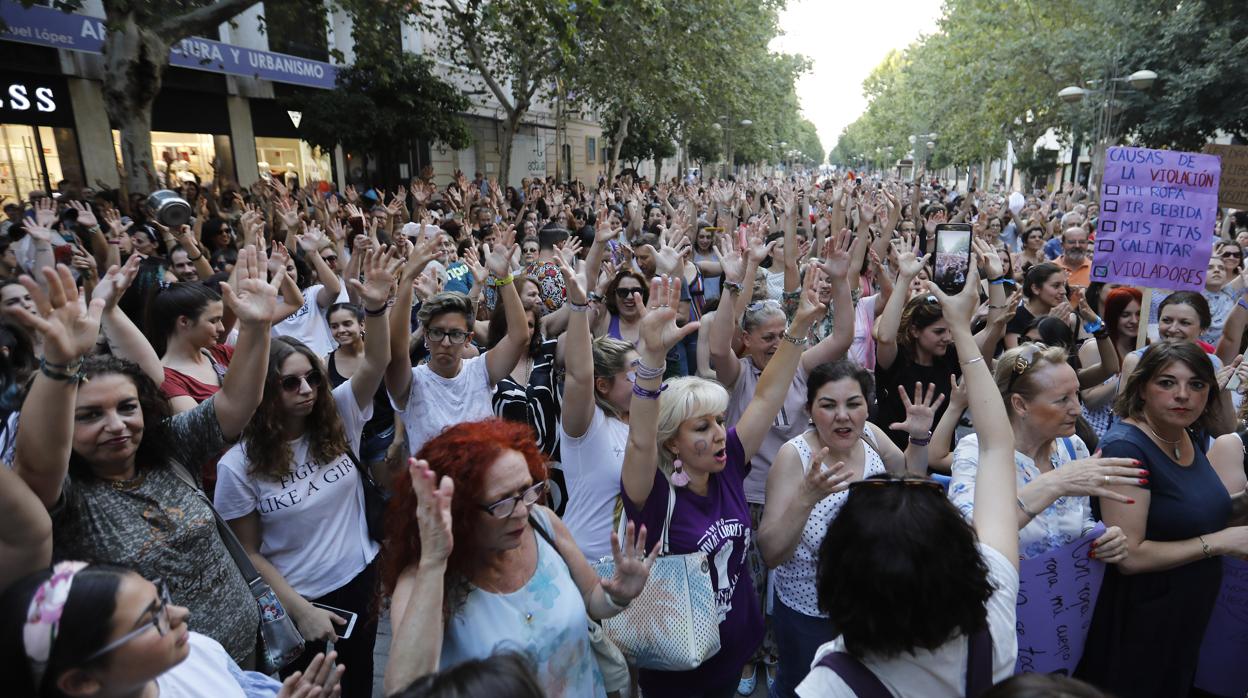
(978,663)
(1070,447)
(855,674)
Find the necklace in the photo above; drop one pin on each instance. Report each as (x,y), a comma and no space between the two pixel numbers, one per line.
(1174,444)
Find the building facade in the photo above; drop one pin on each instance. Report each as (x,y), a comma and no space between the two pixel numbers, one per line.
(220,115)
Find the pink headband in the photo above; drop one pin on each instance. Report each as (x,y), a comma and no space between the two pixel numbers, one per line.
(43,618)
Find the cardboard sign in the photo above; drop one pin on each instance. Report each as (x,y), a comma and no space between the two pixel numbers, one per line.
(1222,670)
(1233,192)
(1158,218)
(1057,593)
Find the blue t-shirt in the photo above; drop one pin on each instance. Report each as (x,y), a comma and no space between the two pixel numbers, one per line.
(458,278)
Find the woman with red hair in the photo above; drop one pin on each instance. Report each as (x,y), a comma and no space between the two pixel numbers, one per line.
(483,567)
(1122,317)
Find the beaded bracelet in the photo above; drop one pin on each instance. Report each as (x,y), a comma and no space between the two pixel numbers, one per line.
(645,372)
(645,394)
(579,307)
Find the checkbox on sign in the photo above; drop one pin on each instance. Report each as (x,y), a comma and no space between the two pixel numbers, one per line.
(1104,245)
(1111,189)
(1107,226)
(1109,205)
(1100,272)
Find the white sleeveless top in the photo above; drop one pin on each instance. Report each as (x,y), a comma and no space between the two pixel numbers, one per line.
(795,578)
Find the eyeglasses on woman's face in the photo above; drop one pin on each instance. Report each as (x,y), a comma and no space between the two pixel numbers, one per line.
(505,507)
(437,334)
(159,610)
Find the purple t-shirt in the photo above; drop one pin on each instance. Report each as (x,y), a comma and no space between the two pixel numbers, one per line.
(718,525)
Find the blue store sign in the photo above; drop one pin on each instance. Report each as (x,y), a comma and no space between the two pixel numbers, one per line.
(44,26)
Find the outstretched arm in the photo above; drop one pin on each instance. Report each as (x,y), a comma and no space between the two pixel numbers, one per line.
(379,266)
(253,304)
(578,358)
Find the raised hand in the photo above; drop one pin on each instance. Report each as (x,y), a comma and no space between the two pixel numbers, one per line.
(576,294)
(909,263)
(920,412)
(433,511)
(836,257)
(473,260)
(822,479)
(116,228)
(658,331)
(69,330)
(570,249)
(256,299)
(45,212)
(85,215)
(378,268)
(810,309)
(115,282)
(498,258)
(990,264)
(311,239)
(632,565)
(287,213)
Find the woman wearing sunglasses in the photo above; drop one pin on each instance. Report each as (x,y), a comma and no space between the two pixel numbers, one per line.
(909,585)
(290,489)
(475,564)
(82,630)
(101,453)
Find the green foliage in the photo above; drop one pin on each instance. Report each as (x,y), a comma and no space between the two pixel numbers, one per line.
(384,98)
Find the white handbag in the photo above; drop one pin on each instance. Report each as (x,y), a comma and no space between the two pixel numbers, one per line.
(673,625)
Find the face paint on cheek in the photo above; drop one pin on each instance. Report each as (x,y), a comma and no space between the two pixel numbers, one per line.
(700,446)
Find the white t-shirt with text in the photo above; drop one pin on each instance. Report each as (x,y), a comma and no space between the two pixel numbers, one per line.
(309,324)
(312,525)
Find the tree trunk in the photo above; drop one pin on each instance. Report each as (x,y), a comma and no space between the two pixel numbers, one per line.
(506,139)
(658,170)
(617,141)
(135,58)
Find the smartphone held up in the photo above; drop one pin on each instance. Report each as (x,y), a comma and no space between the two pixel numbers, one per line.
(952,259)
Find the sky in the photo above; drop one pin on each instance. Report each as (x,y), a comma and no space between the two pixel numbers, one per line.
(845,40)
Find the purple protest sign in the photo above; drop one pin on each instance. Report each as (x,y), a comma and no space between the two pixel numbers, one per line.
(1158,218)
(1056,596)
(1222,670)
(44,26)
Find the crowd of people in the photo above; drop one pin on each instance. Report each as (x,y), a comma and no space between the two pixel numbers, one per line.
(485,415)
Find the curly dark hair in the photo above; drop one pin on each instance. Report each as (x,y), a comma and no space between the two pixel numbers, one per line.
(899,570)
(154,451)
(269,454)
(612,304)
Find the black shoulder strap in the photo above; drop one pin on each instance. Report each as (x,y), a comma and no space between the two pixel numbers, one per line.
(979,663)
(855,674)
(232,544)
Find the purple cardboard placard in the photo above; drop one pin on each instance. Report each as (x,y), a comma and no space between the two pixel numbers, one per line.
(1158,218)
(1222,670)
(1056,596)
(44,26)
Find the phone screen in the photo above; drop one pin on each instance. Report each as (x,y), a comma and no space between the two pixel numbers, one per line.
(952,260)
(343,633)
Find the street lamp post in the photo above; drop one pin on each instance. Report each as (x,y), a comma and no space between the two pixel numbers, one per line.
(1106,125)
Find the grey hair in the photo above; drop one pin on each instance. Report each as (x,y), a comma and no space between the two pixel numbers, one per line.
(687,397)
(759,312)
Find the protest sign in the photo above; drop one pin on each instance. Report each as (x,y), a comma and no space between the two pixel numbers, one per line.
(1222,670)
(1233,189)
(1056,596)
(1158,218)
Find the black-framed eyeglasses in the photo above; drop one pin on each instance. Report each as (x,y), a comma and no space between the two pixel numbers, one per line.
(292,384)
(437,334)
(896,482)
(160,620)
(1024,361)
(505,507)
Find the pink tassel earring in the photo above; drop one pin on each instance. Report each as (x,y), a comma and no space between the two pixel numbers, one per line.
(679,477)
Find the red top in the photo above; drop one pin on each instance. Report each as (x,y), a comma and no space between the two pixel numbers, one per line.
(178,383)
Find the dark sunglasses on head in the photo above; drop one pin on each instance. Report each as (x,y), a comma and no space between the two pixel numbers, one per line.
(292,383)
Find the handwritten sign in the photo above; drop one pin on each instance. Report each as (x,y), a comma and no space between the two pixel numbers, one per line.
(1222,670)
(1233,192)
(1056,596)
(1158,218)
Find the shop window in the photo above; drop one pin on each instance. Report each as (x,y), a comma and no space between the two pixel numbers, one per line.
(29,160)
(297,29)
(287,159)
(182,157)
